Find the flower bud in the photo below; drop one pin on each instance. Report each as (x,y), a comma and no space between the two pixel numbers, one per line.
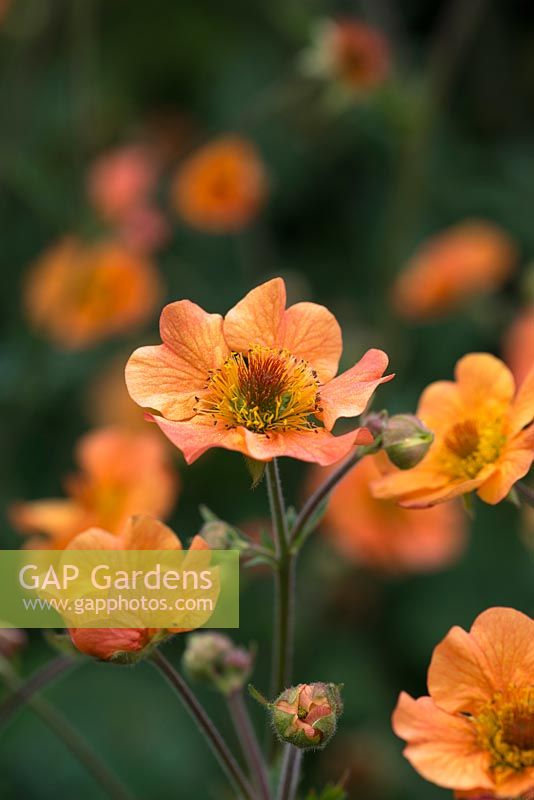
(118,645)
(221,536)
(406,440)
(375,422)
(11,641)
(306,715)
(214,659)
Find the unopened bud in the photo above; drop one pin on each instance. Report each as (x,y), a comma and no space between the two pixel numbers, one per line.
(375,422)
(214,659)
(11,641)
(306,715)
(406,440)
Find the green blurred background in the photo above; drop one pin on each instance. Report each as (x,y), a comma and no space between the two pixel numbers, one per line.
(352,192)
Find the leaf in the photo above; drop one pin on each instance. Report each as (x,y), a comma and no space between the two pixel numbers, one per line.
(330,792)
(207,514)
(256,470)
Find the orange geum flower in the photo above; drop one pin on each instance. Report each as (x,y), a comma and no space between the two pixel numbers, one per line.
(461,262)
(382,535)
(351,52)
(121,180)
(80,293)
(126,645)
(483,436)
(221,187)
(121,473)
(475,732)
(518,345)
(260,381)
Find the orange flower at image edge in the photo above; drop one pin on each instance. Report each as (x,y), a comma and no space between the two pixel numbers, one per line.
(260,381)
(122,473)
(221,187)
(484,439)
(79,293)
(475,733)
(463,261)
(126,644)
(382,535)
(518,345)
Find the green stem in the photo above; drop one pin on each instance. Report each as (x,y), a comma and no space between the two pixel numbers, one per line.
(290,776)
(71,738)
(40,679)
(526,492)
(284,584)
(215,740)
(249,743)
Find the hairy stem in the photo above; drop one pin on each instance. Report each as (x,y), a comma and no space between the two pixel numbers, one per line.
(249,743)
(215,740)
(284,584)
(289,779)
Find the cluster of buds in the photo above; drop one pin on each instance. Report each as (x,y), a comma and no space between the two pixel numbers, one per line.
(213,659)
(405,439)
(306,715)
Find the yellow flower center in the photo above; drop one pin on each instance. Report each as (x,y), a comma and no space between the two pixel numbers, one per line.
(263,390)
(471,444)
(506,730)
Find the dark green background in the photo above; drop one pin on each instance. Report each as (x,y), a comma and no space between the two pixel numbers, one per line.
(78,76)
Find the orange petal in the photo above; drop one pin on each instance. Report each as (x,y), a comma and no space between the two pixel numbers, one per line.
(311,332)
(442,747)
(440,404)
(146,533)
(481,376)
(58,520)
(194,437)
(257,318)
(522,411)
(198,543)
(95,539)
(349,393)
(468,669)
(105,643)
(318,446)
(513,464)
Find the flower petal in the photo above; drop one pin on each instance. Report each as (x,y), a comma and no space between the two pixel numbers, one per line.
(57,520)
(522,411)
(440,404)
(349,393)
(468,669)
(442,747)
(311,332)
(513,464)
(146,533)
(318,446)
(193,437)
(480,376)
(95,539)
(106,643)
(257,318)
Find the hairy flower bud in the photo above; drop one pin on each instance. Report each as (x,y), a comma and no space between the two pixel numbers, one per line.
(214,659)
(406,440)
(375,422)
(306,715)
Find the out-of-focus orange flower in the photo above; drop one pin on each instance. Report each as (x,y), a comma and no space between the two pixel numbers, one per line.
(260,381)
(382,535)
(126,644)
(221,187)
(121,473)
(80,293)
(483,436)
(518,345)
(478,795)
(121,180)
(475,733)
(463,261)
(351,52)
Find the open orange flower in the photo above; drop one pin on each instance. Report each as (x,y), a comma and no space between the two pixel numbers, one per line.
(221,187)
(484,439)
(80,293)
(465,260)
(518,346)
(121,473)
(381,534)
(351,52)
(475,733)
(126,644)
(260,381)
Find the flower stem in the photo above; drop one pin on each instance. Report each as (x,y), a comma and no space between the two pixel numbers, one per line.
(218,745)
(284,584)
(249,743)
(70,736)
(40,679)
(526,492)
(290,776)
(298,532)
